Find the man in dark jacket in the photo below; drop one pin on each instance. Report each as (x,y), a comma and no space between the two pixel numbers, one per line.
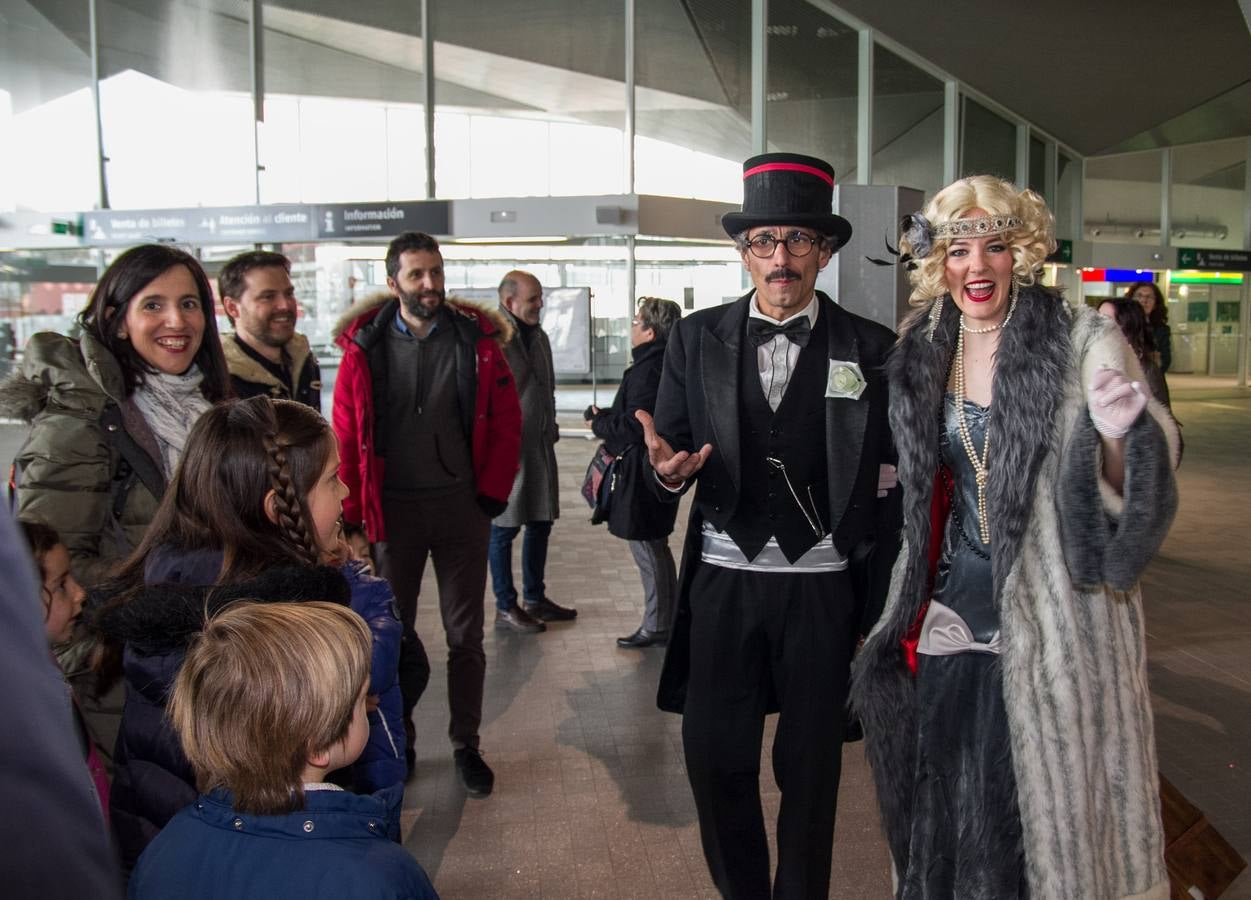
(429,428)
(636,514)
(776,406)
(534,502)
(266,355)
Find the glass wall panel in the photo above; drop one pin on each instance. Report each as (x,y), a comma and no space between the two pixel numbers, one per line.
(1038,167)
(1121,198)
(42,291)
(522,110)
(596,263)
(907,124)
(175,100)
(1068,200)
(1209,195)
(343,113)
(987,143)
(47,120)
(692,97)
(812,78)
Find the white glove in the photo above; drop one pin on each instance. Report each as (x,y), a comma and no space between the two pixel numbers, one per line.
(1115,402)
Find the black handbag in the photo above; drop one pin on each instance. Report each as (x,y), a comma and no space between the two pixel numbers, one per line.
(600,482)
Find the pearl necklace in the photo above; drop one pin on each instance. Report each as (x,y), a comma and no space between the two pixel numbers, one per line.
(980,466)
(964,329)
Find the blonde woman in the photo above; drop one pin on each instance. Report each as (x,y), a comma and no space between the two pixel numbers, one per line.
(1004,690)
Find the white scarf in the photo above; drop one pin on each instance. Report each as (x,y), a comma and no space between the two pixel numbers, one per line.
(170,405)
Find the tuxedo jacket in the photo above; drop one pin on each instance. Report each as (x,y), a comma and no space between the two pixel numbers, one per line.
(700,403)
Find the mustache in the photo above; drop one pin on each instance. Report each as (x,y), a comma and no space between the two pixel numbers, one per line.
(781,273)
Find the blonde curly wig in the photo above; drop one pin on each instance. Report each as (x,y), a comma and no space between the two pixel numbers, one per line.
(1030,244)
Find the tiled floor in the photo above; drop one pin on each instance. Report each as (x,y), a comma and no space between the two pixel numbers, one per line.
(591,798)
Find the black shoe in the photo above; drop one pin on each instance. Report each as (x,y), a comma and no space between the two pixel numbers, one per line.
(474,773)
(551,612)
(643,638)
(517,619)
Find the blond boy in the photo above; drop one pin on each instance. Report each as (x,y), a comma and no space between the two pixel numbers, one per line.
(270,699)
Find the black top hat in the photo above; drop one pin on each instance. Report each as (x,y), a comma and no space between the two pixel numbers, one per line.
(788,189)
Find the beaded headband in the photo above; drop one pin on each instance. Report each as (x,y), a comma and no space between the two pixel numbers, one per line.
(976,227)
(920,234)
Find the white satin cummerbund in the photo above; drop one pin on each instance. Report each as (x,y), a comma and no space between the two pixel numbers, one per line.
(718,549)
(945,633)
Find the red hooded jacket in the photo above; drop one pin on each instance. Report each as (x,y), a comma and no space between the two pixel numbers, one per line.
(488,401)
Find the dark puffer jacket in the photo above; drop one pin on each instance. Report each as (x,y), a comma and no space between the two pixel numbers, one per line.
(152,778)
(336,846)
(636,514)
(90,466)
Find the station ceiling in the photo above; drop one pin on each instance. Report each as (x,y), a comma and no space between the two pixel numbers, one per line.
(1100,76)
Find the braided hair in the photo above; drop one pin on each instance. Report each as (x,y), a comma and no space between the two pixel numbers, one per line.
(291,513)
(236,454)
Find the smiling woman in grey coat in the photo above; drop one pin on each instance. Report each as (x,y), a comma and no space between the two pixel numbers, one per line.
(1004,691)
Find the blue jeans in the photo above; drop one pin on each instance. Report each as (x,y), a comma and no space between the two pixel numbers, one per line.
(533,563)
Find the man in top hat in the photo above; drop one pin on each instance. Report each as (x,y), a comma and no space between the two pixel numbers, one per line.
(774,408)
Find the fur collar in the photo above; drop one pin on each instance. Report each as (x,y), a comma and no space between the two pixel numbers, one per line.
(167,616)
(243,366)
(488,319)
(1030,380)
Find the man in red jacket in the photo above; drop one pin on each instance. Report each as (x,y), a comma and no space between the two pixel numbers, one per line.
(429,430)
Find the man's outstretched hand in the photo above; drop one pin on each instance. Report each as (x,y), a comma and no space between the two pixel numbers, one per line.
(673,468)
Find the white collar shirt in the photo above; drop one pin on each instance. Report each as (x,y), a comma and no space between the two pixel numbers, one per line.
(776,358)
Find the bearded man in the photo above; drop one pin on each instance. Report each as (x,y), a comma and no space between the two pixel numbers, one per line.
(266,355)
(429,428)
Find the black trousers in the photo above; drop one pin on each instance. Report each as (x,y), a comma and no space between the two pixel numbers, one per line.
(453,532)
(760,640)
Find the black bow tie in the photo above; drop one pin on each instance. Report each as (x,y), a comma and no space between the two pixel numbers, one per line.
(797,331)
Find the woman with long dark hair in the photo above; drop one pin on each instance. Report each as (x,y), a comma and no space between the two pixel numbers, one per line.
(110,411)
(1148,295)
(1131,318)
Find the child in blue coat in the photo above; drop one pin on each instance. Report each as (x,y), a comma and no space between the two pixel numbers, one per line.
(270,699)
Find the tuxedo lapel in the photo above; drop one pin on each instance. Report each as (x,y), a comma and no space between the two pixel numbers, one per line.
(845,419)
(720,347)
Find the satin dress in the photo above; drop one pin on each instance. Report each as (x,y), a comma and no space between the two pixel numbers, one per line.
(966,831)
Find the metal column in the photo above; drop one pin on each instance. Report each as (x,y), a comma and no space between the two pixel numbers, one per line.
(629,100)
(427,74)
(101,159)
(864,110)
(1022,155)
(256,58)
(759,72)
(951,131)
(1244,313)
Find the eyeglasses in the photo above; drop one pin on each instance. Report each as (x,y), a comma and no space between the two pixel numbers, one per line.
(797,244)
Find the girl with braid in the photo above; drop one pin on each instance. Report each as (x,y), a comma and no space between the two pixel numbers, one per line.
(253,512)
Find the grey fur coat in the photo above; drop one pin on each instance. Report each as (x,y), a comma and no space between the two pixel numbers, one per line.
(535,495)
(1066,556)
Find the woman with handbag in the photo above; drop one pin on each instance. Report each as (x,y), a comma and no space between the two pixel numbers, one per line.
(634,514)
